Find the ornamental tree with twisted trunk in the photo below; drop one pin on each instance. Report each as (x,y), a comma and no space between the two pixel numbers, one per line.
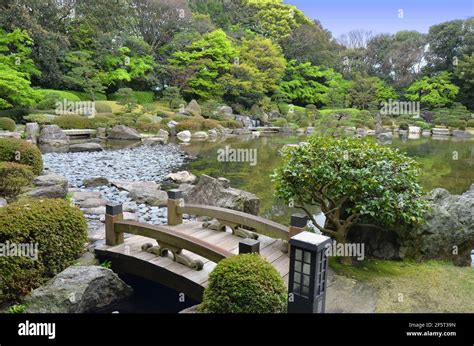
(354,182)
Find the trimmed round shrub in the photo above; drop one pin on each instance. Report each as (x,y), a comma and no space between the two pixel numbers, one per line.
(403,126)
(21,151)
(470,123)
(7,124)
(42,119)
(73,121)
(189,124)
(231,124)
(279,122)
(208,124)
(13,177)
(244,284)
(102,107)
(60,232)
(422,124)
(456,123)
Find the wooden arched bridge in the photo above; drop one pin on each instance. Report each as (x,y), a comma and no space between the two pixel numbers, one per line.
(181,255)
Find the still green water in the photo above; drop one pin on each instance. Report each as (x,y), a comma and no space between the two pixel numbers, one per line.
(447,163)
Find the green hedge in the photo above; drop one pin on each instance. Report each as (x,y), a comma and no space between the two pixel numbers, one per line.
(68,122)
(42,119)
(142,97)
(244,284)
(7,124)
(59,229)
(13,177)
(86,97)
(470,123)
(102,107)
(21,151)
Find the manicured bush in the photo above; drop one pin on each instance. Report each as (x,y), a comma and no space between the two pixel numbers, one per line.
(422,124)
(58,228)
(386,121)
(73,122)
(208,124)
(103,121)
(21,151)
(189,124)
(47,98)
(13,177)
(244,284)
(102,107)
(141,97)
(403,126)
(279,122)
(231,124)
(7,124)
(42,119)
(87,97)
(470,123)
(457,124)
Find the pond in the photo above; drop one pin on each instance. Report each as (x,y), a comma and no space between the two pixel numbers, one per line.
(446,163)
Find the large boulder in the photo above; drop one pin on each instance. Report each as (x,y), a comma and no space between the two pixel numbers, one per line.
(225,112)
(95,182)
(200,135)
(78,289)
(3,202)
(184,136)
(86,147)
(52,134)
(9,134)
(414,129)
(124,133)
(50,179)
(143,191)
(449,229)
(32,132)
(193,108)
(53,191)
(439,131)
(217,192)
(182,177)
(462,134)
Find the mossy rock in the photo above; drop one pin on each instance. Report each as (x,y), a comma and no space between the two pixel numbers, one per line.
(21,151)
(244,284)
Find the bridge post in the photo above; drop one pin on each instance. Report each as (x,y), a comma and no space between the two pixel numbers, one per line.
(249,245)
(297,225)
(307,279)
(175,198)
(113,213)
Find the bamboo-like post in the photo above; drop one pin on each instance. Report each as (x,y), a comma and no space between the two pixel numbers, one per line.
(113,213)
(175,197)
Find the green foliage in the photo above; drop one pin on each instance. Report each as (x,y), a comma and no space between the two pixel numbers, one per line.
(307,84)
(231,124)
(13,177)
(47,98)
(173,97)
(102,107)
(106,264)
(256,72)
(197,68)
(16,69)
(353,182)
(83,74)
(464,73)
(423,125)
(196,124)
(73,121)
(7,124)
(42,119)
(144,97)
(16,309)
(59,229)
(470,123)
(244,284)
(368,92)
(433,91)
(127,98)
(279,122)
(87,97)
(20,151)
(444,116)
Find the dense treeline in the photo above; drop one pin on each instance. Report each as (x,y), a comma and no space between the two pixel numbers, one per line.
(240,52)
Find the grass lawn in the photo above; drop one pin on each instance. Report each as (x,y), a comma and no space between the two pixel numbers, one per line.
(407,286)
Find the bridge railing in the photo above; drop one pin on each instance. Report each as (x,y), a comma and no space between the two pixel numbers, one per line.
(226,217)
(168,239)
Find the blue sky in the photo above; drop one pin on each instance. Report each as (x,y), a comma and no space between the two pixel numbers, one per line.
(341,16)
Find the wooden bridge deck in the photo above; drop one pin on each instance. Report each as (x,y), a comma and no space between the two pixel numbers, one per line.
(129,258)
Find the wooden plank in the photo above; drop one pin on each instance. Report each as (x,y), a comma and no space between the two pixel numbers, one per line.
(200,276)
(261,225)
(282,264)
